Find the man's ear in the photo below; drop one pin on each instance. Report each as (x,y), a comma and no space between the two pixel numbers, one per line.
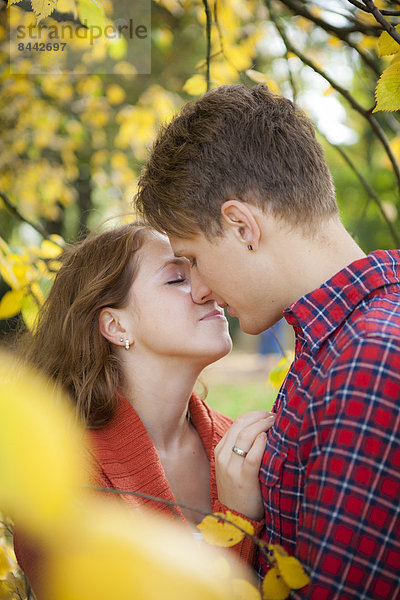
(241,218)
(110,326)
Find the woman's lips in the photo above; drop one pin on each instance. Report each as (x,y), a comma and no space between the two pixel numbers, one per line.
(214,314)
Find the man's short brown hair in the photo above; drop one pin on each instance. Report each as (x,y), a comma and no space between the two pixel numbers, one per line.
(235,142)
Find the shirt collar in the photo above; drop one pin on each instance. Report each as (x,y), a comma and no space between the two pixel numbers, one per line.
(320,312)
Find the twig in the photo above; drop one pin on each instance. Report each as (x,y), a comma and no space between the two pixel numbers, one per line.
(260,543)
(369,191)
(278,341)
(384,11)
(208,36)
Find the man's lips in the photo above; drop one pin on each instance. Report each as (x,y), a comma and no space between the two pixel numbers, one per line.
(213,314)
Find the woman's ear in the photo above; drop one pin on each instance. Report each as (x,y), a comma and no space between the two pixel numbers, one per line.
(240,217)
(110,327)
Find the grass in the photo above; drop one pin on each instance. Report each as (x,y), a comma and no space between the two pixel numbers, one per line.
(233,399)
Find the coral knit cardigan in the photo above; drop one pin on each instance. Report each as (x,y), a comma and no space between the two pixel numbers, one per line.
(127,460)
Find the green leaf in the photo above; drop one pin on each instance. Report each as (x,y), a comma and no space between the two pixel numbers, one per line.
(29,311)
(91,14)
(387,45)
(387,91)
(117,48)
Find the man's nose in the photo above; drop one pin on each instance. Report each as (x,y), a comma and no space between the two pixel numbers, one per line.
(201,293)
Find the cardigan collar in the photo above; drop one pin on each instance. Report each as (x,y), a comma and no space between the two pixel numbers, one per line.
(127,457)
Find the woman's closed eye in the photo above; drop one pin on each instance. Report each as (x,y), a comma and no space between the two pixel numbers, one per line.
(175,281)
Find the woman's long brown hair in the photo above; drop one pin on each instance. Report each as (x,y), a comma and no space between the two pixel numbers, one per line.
(66,343)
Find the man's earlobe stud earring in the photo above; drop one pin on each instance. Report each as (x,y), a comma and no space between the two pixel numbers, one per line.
(126,344)
(250,247)
(121,339)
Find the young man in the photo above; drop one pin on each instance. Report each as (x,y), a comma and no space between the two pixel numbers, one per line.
(240,184)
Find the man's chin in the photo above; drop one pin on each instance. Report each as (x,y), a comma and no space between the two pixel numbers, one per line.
(252,328)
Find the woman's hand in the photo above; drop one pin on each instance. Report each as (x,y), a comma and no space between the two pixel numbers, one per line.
(237,476)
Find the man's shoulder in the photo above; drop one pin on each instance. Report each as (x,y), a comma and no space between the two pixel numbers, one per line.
(375,320)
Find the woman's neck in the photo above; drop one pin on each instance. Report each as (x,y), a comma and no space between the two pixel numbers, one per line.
(159,390)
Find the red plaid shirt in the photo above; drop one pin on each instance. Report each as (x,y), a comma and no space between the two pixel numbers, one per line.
(330,475)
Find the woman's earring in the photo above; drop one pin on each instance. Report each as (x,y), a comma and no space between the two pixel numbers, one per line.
(250,247)
(126,344)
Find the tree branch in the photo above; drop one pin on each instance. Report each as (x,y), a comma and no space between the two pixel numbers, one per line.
(15,212)
(381,19)
(367,114)
(339,32)
(208,36)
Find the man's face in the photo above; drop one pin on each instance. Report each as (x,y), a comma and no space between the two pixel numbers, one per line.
(226,271)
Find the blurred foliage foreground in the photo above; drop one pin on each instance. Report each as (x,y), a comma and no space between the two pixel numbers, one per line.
(44,487)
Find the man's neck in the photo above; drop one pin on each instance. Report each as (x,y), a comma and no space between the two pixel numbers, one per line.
(324,255)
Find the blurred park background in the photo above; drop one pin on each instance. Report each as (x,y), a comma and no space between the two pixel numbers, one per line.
(74,135)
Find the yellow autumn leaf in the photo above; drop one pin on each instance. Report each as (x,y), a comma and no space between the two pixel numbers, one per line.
(43,8)
(138,556)
(274,587)
(4,564)
(41,462)
(388,89)
(244,590)
(387,45)
(15,586)
(291,571)
(49,249)
(195,85)
(222,533)
(6,590)
(11,303)
(115,93)
(278,373)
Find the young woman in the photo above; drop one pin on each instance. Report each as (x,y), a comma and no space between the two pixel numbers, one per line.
(122,334)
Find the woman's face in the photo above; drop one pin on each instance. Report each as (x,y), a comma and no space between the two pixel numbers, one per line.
(163,317)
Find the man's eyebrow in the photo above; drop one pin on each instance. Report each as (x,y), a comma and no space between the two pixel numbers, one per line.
(177,260)
(181,253)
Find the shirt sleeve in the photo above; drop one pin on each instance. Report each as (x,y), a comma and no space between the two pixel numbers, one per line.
(349,526)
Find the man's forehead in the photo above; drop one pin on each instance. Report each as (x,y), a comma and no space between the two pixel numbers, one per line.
(180,246)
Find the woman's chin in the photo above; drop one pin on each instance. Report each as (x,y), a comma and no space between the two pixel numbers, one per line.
(215,354)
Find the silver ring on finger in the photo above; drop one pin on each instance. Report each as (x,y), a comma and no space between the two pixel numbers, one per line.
(239,451)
